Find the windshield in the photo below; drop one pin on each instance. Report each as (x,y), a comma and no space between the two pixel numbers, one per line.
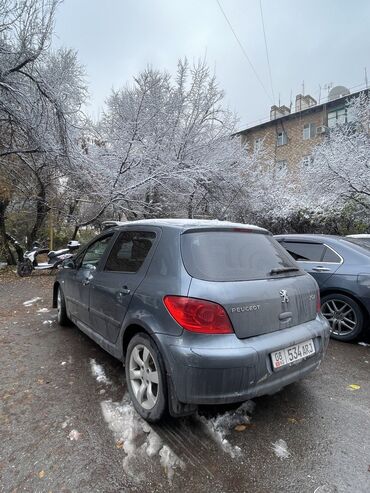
(235,256)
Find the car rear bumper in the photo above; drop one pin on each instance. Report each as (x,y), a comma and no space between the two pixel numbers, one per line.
(222,368)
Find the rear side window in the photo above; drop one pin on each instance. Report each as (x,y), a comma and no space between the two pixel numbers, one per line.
(130,251)
(309,252)
(233,256)
(331,256)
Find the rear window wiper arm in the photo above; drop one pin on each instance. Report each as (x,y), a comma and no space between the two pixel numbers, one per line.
(280,270)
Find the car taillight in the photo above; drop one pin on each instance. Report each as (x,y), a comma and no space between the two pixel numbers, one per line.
(318,302)
(198,315)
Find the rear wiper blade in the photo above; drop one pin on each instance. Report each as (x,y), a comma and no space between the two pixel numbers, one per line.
(283,269)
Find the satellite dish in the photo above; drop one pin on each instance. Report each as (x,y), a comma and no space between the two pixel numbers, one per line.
(338,92)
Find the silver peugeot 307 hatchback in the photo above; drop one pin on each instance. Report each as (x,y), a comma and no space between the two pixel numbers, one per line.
(199,312)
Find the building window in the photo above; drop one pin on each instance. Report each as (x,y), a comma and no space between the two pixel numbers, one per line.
(283,164)
(309,131)
(258,144)
(281,139)
(307,160)
(340,116)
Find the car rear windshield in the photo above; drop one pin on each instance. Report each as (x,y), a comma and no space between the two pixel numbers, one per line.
(235,256)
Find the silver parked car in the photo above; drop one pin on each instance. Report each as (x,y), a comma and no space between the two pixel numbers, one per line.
(200,312)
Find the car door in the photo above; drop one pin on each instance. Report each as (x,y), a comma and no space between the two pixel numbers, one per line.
(77,290)
(315,257)
(113,285)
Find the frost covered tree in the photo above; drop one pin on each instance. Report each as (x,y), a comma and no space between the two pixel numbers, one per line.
(163,147)
(340,170)
(341,163)
(41,94)
(25,30)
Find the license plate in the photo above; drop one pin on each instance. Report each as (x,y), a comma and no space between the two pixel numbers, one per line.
(292,354)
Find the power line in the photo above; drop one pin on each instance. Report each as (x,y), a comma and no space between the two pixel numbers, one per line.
(243,50)
(267,51)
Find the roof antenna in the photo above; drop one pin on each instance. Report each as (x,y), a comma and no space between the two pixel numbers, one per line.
(366,81)
(303,88)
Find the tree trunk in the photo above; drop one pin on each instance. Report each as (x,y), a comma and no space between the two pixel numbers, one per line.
(147,200)
(5,251)
(75,232)
(42,210)
(190,205)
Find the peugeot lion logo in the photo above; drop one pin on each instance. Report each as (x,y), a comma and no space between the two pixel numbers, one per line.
(284,296)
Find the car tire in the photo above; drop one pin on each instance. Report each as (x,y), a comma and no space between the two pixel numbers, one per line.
(146,378)
(344,315)
(62,317)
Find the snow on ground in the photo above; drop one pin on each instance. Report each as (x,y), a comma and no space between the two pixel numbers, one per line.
(43,310)
(74,435)
(98,372)
(364,344)
(32,301)
(280,449)
(139,441)
(47,322)
(221,426)
(169,461)
(326,488)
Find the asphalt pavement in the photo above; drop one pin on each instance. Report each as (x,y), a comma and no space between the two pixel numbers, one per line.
(66,424)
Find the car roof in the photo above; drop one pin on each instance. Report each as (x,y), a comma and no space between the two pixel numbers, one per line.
(185,224)
(308,237)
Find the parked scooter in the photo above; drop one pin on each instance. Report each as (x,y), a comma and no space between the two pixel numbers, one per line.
(17,247)
(55,258)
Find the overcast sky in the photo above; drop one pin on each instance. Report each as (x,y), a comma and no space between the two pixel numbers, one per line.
(314,41)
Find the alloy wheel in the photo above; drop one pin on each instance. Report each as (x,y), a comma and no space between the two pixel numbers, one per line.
(340,315)
(143,374)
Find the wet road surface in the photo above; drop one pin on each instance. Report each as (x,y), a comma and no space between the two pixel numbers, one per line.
(66,424)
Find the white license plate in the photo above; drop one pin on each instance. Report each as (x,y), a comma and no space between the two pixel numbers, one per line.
(292,354)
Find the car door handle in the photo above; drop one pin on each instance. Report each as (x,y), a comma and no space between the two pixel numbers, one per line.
(321,269)
(87,280)
(285,316)
(125,290)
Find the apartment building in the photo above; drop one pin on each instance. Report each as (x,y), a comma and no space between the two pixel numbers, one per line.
(288,137)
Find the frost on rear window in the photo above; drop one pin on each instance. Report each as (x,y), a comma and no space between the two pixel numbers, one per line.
(233,256)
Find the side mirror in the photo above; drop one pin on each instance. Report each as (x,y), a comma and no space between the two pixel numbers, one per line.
(68,264)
